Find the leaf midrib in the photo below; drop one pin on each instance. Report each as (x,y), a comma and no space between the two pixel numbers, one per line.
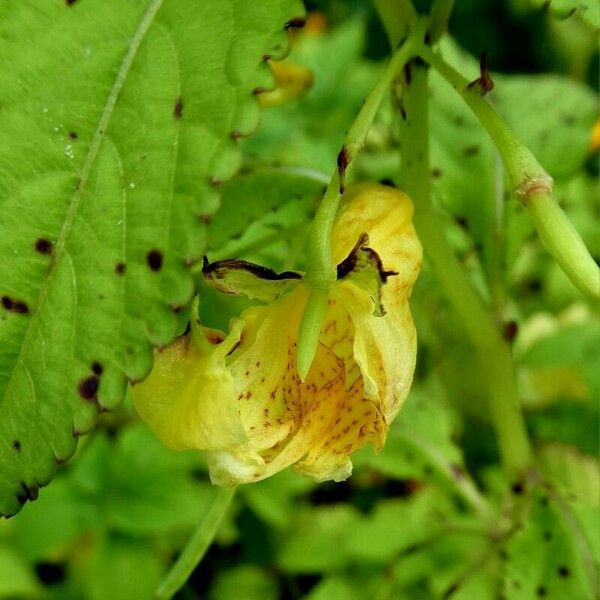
(111,101)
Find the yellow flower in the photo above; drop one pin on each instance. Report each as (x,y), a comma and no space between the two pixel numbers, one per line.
(239,397)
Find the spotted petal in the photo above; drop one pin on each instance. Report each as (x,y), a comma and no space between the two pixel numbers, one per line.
(284,417)
(384,347)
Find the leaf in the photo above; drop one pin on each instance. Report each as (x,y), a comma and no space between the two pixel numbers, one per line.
(333,587)
(115,127)
(396,525)
(420,437)
(253,207)
(317,540)
(560,139)
(544,558)
(575,475)
(311,131)
(48,529)
(135,487)
(587,10)
(151,491)
(246,581)
(123,569)
(273,499)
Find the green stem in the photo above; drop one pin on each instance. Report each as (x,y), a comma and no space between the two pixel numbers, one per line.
(396,16)
(197,545)
(478,324)
(321,269)
(440,15)
(530,182)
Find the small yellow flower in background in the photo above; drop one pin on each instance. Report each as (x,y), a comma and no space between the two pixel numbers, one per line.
(594,141)
(239,397)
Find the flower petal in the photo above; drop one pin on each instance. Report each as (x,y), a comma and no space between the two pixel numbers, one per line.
(355,422)
(284,417)
(384,346)
(188,399)
(239,277)
(385,213)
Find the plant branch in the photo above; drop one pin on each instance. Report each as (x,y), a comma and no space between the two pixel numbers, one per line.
(197,545)
(530,182)
(479,326)
(396,16)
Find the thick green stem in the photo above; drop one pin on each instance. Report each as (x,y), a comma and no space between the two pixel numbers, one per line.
(530,182)
(197,545)
(440,15)
(478,324)
(396,16)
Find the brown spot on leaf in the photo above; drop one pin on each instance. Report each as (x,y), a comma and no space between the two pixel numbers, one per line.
(16,306)
(88,387)
(509,330)
(120,268)
(73,135)
(43,246)
(97,368)
(178,108)
(155,260)
(16,445)
(517,488)
(461,222)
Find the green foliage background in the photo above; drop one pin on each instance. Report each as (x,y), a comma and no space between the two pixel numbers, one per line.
(410,523)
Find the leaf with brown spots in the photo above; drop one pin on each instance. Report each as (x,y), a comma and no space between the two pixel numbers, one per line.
(104,165)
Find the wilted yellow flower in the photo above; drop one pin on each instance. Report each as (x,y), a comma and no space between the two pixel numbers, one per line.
(239,397)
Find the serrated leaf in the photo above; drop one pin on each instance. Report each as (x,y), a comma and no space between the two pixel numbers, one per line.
(114,127)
